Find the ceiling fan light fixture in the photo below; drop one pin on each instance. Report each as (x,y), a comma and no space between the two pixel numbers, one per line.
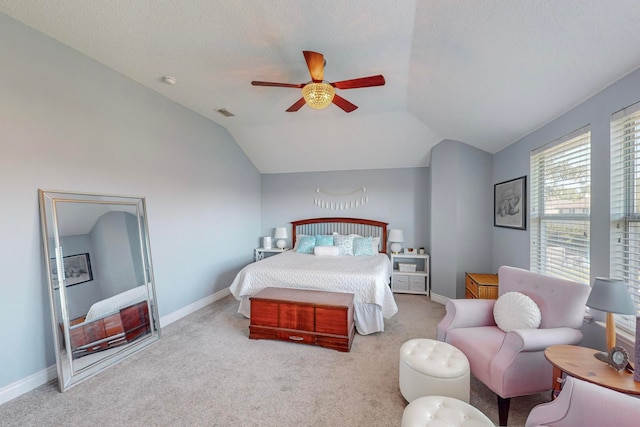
(318,95)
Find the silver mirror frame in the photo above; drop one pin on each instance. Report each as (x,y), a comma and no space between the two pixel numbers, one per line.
(71,373)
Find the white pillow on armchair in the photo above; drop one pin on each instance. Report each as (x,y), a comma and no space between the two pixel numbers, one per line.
(515,310)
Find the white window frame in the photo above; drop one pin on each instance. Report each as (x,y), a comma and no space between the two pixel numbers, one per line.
(625,205)
(560,207)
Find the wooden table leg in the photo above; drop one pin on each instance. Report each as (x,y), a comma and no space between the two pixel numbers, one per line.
(556,386)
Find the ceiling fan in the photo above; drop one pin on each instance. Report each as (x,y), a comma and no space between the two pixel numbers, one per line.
(319,93)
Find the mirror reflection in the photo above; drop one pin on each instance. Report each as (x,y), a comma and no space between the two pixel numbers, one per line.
(100,280)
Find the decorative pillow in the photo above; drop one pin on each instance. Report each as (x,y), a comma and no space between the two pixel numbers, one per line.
(363,246)
(306,244)
(375,244)
(326,250)
(324,240)
(515,310)
(344,244)
(297,243)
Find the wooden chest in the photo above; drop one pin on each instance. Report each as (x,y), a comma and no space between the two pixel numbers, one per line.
(481,286)
(303,316)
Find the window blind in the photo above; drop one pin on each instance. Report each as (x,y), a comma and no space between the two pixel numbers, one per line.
(625,203)
(561,207)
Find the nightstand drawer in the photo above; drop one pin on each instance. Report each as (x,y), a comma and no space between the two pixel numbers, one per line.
(416,283)
(400,282)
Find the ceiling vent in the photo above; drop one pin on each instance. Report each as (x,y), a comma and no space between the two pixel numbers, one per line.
(225,112)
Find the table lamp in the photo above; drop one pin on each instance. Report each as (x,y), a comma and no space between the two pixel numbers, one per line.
(396,237)
(610,296)
(281,234)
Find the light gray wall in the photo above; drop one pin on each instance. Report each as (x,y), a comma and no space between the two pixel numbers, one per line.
(461,206)
(475,219)
(397,196)
(444,211)
(68,123)
(511,247)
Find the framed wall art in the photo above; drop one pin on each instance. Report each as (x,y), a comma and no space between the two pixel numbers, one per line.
(510,204)
(77,269)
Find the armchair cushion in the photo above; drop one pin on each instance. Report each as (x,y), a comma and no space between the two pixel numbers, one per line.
(515,310)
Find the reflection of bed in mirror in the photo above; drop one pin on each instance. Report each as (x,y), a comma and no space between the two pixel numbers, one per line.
(367,277)
(112,322)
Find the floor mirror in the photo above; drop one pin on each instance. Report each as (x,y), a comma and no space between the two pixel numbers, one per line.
(100,280)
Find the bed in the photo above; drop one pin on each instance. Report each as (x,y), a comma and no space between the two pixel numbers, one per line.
(111,322)
(365,275)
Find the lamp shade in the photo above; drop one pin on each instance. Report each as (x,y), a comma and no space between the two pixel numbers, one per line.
(396,235)
(281,233)
(611,296)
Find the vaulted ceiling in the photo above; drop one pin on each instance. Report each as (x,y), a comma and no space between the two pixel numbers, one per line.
(484,72)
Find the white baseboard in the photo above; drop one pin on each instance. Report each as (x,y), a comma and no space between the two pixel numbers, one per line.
(193,307)
(50,373)
(24,385)
(439,298)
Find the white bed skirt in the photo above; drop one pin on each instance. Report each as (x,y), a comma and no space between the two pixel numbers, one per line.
(368,317)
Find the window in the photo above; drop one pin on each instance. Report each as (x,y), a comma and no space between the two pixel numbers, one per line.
(625,203)
(561,207)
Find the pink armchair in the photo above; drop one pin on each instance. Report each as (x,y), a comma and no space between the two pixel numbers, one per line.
(513,364)
(585,404)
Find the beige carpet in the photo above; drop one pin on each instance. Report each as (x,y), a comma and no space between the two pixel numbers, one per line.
(205,371)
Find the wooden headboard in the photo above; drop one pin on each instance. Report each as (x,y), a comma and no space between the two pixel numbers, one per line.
(363,227)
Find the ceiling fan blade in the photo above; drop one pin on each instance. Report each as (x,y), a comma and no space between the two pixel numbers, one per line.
(315,64)
(361,82)
(343,103)
(295,107)
(298,86)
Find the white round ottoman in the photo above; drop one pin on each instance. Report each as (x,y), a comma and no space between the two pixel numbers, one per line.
(430,367)
(443,411)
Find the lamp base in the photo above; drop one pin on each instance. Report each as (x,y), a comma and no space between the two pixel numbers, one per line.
(602,356)
(396,248)
(280,244)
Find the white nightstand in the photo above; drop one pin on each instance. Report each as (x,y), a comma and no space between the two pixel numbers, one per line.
(409,282)
(262,253)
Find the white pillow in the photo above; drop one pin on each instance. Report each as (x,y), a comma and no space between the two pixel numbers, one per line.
(376,245)
(515,310)
(326,250)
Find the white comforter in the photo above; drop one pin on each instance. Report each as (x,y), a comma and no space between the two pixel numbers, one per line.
(366,277)
(116,303)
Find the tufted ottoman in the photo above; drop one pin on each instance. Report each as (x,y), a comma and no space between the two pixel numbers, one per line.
(430,367)
(443,411)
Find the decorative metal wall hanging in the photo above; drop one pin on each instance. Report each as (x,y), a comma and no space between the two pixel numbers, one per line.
(356,197)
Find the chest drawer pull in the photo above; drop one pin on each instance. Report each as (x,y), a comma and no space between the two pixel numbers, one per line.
(294,338)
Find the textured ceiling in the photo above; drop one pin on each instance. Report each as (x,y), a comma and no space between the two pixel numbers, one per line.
(484,72)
